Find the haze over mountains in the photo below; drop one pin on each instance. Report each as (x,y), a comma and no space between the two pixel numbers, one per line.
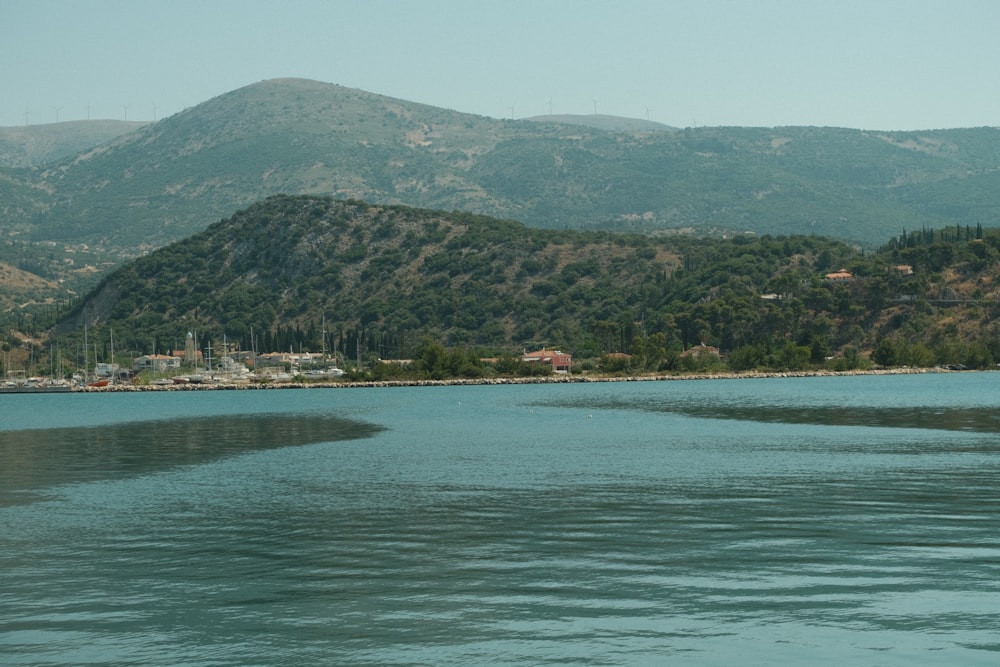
(169,179)
(36,145)
(605,122)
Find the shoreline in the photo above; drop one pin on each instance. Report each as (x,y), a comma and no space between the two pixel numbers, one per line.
(549,379)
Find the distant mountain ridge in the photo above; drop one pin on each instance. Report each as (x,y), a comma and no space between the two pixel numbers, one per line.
(604,122)
(169,179)
(36,145)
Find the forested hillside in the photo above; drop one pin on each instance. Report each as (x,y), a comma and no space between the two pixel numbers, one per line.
(380,282)
(68,219)
(169,179)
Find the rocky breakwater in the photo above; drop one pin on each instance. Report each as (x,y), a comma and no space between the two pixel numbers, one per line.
(551,379)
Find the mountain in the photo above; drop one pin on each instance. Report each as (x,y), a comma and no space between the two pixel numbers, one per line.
(169,179)
(291,262)
(68,221)
(35,145)
(314,273)
(606,123)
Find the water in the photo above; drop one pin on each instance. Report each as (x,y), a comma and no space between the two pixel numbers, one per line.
(820,521)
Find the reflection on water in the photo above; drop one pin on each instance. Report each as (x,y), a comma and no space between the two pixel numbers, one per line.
(34,459)
(973,419)
(479,528)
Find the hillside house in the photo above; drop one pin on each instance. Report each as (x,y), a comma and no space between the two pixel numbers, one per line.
(841,276)
(561,362)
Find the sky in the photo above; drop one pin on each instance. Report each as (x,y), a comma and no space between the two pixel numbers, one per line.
(868,64)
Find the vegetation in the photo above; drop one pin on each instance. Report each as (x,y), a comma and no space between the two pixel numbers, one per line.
(40,144)
(167,180)
(445,290)
(78,199)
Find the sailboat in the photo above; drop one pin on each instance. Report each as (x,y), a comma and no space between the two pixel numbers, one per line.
(326,371)
(98,380)
(104,373)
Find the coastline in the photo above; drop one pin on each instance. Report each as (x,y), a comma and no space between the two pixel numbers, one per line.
(550,379)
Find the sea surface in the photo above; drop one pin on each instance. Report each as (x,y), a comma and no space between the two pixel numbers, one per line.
(792,521)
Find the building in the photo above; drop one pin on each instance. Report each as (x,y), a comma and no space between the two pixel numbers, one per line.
(156,363)
(561,362)
(702,351)
(841,276)
(291,359)
(192,356)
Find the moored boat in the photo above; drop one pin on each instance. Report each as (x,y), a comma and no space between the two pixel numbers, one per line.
(35,385)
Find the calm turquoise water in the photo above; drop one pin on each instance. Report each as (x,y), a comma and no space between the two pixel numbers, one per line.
(819,521)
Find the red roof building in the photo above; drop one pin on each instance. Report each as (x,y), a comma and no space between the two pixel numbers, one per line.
(561,362)
(842,276)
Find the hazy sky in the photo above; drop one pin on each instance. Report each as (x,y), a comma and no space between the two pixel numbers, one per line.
(870,64)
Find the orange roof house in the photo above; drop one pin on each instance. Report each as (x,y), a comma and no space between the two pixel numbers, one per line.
(841,276)
(561,362)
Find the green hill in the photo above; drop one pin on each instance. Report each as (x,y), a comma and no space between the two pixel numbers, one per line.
(68,220)
(384,279)
(165,180)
